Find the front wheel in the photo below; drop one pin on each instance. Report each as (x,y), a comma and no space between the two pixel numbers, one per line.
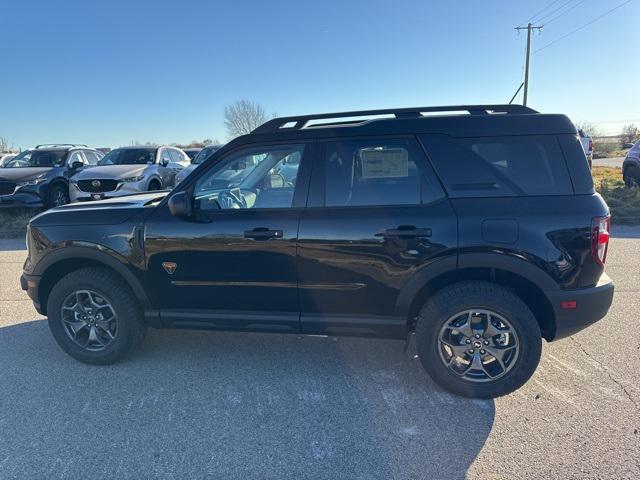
(94,317)
(478,339)
(58,195)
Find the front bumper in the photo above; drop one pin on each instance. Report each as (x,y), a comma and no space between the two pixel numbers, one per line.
(30,284)
(22,198)
(591,305)
(77,195)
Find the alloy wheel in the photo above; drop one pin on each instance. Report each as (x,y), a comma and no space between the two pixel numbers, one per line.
(478,345)
(89,320)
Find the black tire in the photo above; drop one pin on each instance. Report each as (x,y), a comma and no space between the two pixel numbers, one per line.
(130,326)
(462,296)
(631,176)
(154,185)
(58,195)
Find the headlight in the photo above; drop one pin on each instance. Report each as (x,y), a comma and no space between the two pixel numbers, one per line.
(132,179)
(35,181)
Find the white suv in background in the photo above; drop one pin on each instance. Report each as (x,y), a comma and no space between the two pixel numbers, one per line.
(128,170)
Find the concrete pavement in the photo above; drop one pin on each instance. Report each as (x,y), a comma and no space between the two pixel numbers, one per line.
(230,405)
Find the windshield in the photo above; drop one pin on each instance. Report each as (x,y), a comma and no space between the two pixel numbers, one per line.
(38,158)
(204,153)
(129,156)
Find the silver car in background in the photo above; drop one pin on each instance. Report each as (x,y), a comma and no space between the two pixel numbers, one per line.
(128,170)
(202,155)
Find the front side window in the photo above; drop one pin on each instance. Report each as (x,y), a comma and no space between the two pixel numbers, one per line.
(75,157)
(368,173)
(92,157)
(129,156)
(38,158)
(262,177)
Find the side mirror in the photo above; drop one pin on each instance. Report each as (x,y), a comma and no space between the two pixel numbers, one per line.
(275,180)
(77,164)
(164,162)
(180,204)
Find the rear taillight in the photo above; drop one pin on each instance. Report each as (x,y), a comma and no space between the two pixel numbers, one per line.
(600,227)
(591,145)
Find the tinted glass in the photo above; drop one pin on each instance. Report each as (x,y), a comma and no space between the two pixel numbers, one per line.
(263,177)
(129,156)
(38,158)
(191,153)
(359,173)
(499,166)
(205,152)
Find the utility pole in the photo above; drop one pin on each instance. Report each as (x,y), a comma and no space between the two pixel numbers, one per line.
(528,28)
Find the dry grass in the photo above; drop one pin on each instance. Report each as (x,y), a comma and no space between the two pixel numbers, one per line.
(13,221)
(623,202)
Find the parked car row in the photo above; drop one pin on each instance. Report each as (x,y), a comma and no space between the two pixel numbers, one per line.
(55,174)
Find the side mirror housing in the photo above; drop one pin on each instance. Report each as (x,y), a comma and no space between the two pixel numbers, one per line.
(180,204)
(77,164)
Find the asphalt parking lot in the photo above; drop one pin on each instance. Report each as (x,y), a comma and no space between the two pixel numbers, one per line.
(226,405)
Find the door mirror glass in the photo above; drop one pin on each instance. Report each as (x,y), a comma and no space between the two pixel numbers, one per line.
(180,204)
(275,180)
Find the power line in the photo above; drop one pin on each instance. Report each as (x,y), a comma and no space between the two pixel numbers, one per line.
(566,11)
(583,26)
(544,17)
(539,12)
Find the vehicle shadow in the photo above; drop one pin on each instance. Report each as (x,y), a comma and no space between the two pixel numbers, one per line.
(12,244)
(225,405)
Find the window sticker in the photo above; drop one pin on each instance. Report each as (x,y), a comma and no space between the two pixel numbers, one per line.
(384,162)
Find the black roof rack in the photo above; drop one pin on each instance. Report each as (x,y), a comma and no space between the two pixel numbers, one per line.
(301,121)
(61,145)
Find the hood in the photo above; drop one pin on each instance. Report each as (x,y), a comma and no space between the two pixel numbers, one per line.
(22,174)
(110,172)
(103,212)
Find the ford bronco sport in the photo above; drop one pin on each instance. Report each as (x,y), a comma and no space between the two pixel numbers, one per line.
(479,231)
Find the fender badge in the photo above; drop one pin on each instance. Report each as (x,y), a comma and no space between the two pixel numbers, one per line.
(169,267)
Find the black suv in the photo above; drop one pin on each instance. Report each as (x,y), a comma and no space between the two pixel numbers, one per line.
(480,232)
(39,177)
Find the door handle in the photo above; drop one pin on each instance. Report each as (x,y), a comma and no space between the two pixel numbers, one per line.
(405,231)
(262,233)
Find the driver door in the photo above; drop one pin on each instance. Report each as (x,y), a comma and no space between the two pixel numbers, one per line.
(232,265)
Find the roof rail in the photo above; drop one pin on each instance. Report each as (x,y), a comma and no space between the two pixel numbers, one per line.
(301,121)
(61,145)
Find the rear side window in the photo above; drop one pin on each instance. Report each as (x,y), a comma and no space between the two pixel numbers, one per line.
(499,166)
(366,172)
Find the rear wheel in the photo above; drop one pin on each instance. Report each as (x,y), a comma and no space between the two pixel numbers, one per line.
(94,317)
(478,339)
(58,195)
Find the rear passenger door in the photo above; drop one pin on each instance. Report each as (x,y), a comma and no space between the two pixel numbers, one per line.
(377,220)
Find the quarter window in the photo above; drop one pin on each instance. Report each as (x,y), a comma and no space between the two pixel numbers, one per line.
(360,173)
(263,177)
(499,166)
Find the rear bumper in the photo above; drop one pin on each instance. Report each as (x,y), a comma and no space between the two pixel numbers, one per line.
(30,284)
(591,304)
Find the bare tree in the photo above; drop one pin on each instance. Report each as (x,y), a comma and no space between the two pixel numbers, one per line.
(591,129)
(243,117)
(630,134)
(4,145)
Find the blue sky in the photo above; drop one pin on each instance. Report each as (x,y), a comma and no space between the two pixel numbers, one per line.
(107,73)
